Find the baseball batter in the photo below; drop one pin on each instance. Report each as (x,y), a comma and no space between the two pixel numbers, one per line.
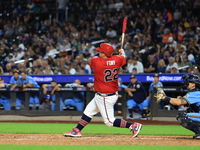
(106,67)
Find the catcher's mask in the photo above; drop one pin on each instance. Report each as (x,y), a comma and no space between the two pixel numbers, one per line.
(106,49)
(190,79)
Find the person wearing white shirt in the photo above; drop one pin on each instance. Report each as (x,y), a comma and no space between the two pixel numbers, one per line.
(135,64)
(172,64)
(110,33)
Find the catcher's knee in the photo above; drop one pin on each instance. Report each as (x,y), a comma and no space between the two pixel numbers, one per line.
(183,120)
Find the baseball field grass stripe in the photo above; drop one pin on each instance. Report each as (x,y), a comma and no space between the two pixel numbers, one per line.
(60,128)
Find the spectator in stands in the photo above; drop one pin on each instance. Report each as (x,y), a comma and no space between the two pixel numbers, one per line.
(129,51)
(53,86)
(171,43)
(48,70)
(168,18)
(161,66)
(175,69)
(151,65)
(61,6)
(187,64)
(187,36)
(195,70)
(57,72)
(78,99)
(111,33)
(134,71)
(94,28)
(166,35)
(1,70)
(172,65)
(178,60)
(177,16)
(134,63)
(86,54)
(8,68)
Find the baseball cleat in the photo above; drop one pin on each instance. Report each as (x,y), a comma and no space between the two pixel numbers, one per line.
(73,133)
(196,136)
(135,128)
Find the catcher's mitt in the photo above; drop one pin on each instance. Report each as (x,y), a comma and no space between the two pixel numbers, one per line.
(159,96)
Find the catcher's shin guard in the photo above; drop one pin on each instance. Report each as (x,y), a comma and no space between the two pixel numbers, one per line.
(188,123)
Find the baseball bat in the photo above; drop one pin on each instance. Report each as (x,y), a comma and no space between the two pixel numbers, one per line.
(123,31)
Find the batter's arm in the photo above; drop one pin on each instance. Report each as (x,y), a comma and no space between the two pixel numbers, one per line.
(121,52)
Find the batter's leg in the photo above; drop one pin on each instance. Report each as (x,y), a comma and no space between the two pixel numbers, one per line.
(105,105)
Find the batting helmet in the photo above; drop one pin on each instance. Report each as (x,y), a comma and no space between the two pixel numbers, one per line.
(106,49)
(190,79)
(47,97)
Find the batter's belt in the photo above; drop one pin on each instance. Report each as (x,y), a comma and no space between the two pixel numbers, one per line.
(104,95)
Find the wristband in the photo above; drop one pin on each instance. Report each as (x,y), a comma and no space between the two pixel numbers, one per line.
(122,54)
(167,99)
(121,51)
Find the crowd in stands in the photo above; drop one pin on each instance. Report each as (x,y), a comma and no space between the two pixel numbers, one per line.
(39,37)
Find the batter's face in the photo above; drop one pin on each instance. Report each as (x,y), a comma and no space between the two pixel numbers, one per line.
(102,55)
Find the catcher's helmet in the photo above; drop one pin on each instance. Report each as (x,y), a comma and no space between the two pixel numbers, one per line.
(47,97)
(192,78)
(106,48)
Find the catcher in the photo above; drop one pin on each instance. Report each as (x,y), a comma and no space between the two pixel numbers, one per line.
(191,118)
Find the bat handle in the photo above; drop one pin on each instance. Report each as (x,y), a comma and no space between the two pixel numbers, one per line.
(122,42)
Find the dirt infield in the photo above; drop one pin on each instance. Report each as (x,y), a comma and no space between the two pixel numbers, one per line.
(57,139)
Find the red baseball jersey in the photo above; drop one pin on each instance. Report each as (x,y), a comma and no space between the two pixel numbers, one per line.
(106,73)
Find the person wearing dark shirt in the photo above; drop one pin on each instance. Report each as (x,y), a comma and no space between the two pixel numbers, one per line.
(151,65)
(136,97)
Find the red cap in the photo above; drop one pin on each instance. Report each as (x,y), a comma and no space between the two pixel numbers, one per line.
(106,48)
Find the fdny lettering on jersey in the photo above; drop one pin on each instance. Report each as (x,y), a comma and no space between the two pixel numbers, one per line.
(110,62)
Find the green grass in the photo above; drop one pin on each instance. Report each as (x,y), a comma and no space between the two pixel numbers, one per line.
(60,128)
(95,147)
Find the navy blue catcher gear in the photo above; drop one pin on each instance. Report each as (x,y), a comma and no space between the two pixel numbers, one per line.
(190,79)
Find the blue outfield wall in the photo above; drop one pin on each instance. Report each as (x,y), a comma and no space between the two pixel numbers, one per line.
(89,78)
